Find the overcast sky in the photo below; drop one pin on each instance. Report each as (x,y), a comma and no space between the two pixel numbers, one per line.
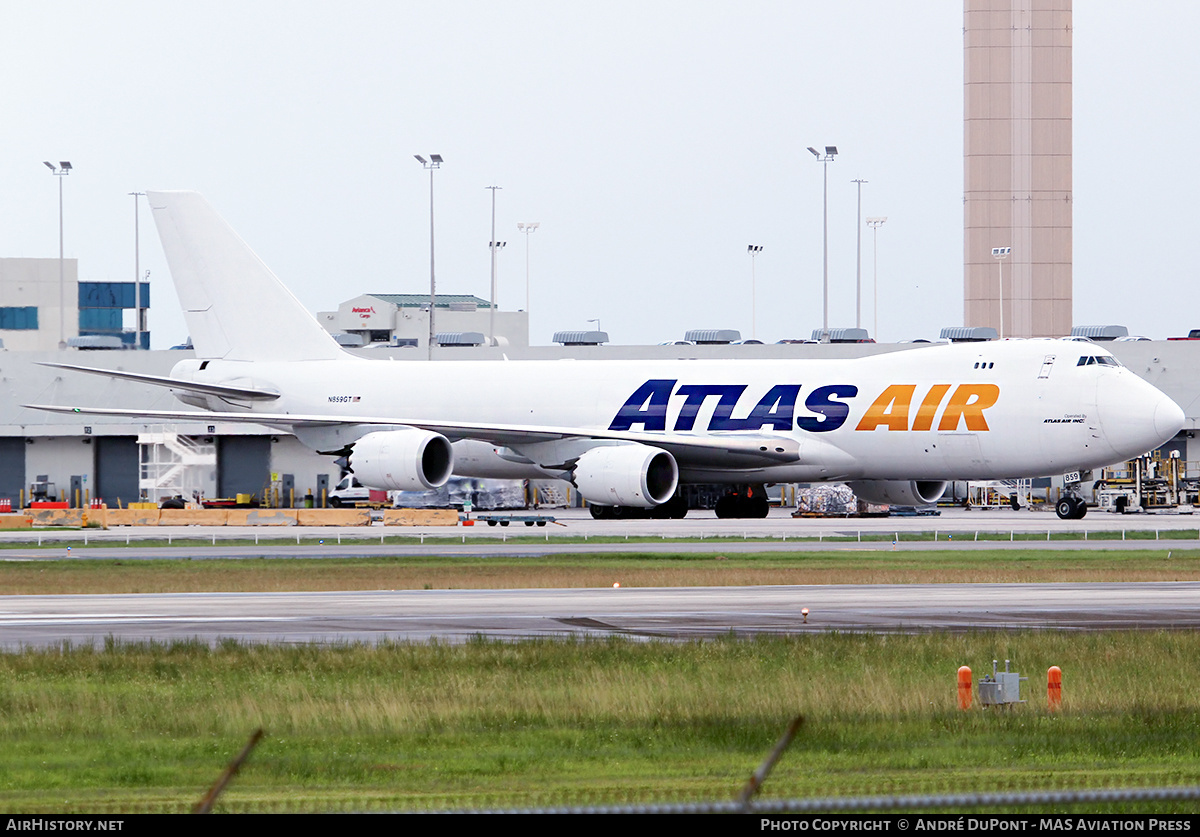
(652,140)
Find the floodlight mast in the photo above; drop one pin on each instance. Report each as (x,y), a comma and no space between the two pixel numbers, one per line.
(61,170)
(875,223)
(753,250)
(138,325)
(493,245)
(858,262)
(432,164)
(830,152)
(527,227)
(1000,254)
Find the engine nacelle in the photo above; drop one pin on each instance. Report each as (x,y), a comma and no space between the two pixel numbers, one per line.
(626,475)
(899,492)
(402,460)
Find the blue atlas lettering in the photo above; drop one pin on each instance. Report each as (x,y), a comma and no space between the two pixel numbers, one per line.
(647,407)
(776,408)
(832,413)
(696,393)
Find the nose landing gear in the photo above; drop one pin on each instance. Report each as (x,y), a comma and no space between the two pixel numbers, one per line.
(1070,507)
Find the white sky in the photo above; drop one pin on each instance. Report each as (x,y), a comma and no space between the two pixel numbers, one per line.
(653,140)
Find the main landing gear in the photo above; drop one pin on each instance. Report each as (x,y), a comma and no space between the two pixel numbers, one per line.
(744,501)
(1070,507)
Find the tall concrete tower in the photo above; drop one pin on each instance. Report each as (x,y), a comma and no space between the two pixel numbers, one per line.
(1018,166)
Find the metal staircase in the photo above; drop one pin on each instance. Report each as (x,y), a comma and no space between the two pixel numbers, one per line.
(172,465)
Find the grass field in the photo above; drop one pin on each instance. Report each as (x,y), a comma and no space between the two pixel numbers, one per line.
(584,722)
(630,569)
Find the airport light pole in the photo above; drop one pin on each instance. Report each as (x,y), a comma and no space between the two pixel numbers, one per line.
(1000,254)
(137,272)
(597,322)
(753,250)
(875,223)
(493,245)
(61,171)
(830,152)
(858,268)
(527,227)
(432,164)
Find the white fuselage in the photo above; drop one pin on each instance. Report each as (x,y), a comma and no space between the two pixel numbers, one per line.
(977,411)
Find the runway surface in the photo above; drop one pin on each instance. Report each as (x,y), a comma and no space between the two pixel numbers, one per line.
(677,613)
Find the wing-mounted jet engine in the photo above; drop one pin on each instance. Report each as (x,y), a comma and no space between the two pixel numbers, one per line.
(402,460)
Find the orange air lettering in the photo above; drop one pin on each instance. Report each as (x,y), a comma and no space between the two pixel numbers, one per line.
(928,408)
(890,409)
(968,402)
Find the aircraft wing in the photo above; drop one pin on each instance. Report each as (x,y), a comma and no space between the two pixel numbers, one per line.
(734,449)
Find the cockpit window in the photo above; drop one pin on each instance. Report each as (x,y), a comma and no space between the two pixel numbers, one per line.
(1102,360)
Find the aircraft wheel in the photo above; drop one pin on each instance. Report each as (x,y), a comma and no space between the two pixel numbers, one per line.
(600,512)
(1065,509)
(726,507)
(1081,510)
(759,507)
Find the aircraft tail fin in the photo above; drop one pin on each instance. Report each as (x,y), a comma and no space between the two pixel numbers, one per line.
(235,307)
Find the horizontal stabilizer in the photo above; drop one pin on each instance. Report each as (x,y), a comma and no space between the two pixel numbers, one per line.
(219,390)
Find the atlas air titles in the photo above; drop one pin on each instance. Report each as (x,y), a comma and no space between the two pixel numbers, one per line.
(826,408)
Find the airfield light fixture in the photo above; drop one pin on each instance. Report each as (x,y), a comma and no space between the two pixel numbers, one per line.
(875,223)
(753,250)
(527,227)
(830,152)
(1000,254)
(432,165)
(63,168)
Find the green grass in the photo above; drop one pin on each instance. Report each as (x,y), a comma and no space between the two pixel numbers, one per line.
(631,569)
(407,726)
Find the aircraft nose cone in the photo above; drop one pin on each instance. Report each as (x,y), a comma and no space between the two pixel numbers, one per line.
(1136,417)
(1168,418)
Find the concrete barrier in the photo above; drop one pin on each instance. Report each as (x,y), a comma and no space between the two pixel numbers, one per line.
(15,521)
(261,517)
(192,517)
(58,517)
(420,517)
(129,517)
(333,517)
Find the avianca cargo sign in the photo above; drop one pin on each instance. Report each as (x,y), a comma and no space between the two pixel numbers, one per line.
(826,408)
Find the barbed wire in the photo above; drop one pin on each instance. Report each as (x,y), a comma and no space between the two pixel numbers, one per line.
(877,803)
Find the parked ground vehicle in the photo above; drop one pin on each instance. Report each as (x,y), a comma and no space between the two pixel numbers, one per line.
(351,492)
